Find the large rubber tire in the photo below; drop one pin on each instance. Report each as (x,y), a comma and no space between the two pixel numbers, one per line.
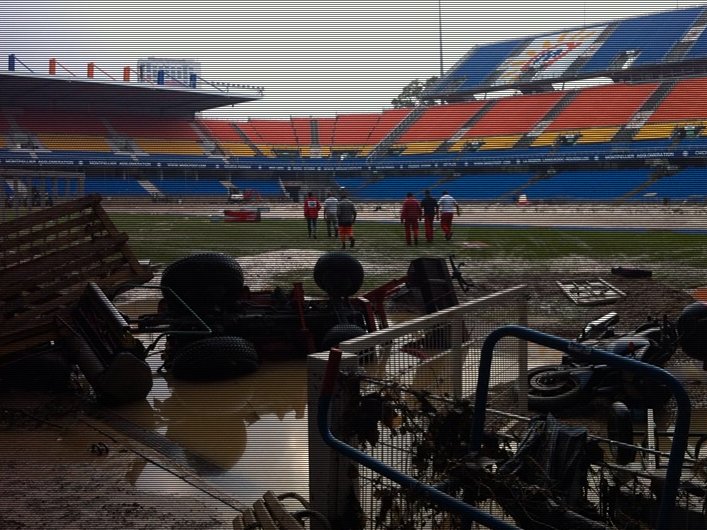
(620,429)
(214,358)
(202,280)
(338,274)
(552,388)
(340,333)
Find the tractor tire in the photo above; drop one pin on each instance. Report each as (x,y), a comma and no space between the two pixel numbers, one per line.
(338,274)
(340,333)
(620,429)
(202,281)
(213,358)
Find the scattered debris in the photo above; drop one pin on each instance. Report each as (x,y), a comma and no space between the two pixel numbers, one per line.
(631,272)
(590,292)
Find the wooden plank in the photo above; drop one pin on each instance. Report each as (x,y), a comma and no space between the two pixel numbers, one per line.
(249,517)
(72,291)
(127,251)
(47,214)
(284,518)
(98,248)
(21,256)
(263,516)
(89,221)
(56,278)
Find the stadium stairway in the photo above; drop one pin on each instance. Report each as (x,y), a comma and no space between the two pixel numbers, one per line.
(150,188)
(397,132)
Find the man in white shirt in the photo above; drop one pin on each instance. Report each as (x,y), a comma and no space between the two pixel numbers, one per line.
(447,206)
(331,209)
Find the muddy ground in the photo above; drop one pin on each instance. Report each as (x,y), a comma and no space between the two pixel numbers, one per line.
(62,467)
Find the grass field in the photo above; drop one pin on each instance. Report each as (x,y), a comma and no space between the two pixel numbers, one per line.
(680,257)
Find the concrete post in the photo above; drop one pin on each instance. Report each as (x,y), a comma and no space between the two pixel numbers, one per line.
(458,356)
(332,485)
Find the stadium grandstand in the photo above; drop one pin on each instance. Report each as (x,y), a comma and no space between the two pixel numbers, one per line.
(608,112)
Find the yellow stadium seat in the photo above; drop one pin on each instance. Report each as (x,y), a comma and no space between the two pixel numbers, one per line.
(499,142)
(237,149)
(546,139)
(597,135)
(158,146)
(420,148)
(655,131)
(62,142)
(266,150)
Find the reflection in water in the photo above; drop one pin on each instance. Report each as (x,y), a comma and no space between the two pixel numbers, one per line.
(246,435)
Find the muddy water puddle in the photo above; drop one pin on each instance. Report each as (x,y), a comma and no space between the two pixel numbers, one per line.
(249,435)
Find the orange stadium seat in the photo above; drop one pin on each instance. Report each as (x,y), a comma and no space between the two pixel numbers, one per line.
(440,122)
(164,128)
(686,102)
(603,106)
(74,142)
(227,137)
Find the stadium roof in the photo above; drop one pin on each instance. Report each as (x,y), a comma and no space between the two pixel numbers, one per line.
(50,91)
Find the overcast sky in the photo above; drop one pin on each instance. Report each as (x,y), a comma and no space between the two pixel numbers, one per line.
(314,58)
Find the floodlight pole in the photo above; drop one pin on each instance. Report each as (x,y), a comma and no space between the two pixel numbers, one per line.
(441,56)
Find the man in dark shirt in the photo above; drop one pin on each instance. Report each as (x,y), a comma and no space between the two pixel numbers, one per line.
(430,210)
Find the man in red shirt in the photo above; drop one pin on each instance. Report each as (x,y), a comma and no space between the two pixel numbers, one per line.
(410,214)
(311,212)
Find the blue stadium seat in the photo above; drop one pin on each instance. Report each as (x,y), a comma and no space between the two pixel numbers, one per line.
(485,186)
(185,187)
(264,187)
(477,66)
(393,188)
(653,35)
(114,187)
(690,183)
(599,185)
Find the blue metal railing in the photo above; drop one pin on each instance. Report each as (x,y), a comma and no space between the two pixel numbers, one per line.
(572,348)
(592,355)
(467,512)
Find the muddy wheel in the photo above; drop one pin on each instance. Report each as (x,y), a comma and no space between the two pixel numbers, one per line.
(202,280)
(338,274)
(552,387)
(620,429)
(213,358)
(341,333)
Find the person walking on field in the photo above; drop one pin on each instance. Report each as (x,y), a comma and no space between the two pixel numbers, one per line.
(331,209)
(346,217)
(447,206)
(430,210)
(311,212)
(410,214)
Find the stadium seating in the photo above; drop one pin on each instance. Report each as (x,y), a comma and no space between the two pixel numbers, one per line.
(596,114)
(115,187)
(388,189)
(185,187)
(582,185)
(476,67)
(495,186)
(507,120)
(160,136)
(651,36)
(62,131)
(685,103)
(688,184)
(227,138)
(262,187)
